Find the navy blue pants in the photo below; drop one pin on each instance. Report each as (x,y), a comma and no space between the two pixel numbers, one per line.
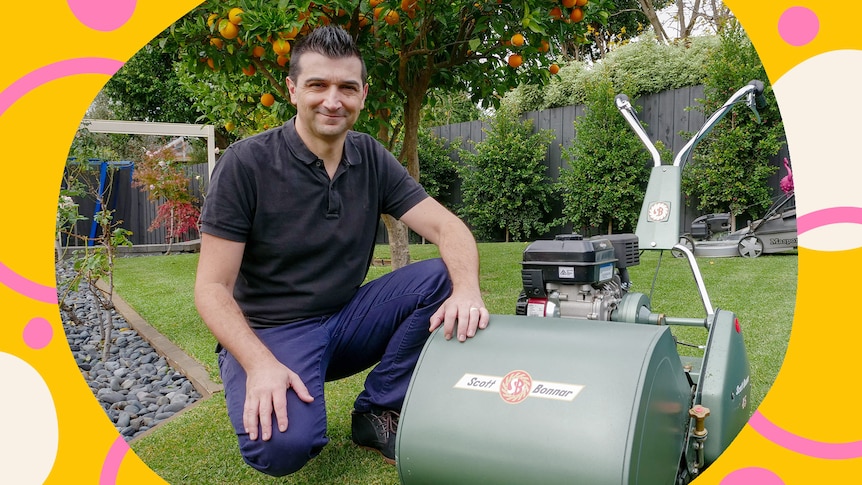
(386,323)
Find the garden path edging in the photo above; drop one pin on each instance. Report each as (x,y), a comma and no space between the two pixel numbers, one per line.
(179,360)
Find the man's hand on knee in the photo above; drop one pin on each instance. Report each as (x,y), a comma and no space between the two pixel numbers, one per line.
(266,393)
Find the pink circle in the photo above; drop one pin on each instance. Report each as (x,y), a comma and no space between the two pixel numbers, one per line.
(104,15)
(38,333)
(752,476)
(798,26)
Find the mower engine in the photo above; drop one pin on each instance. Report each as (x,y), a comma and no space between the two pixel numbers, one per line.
(570,276)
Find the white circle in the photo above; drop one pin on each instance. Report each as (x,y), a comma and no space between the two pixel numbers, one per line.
(30,437)
(820,109)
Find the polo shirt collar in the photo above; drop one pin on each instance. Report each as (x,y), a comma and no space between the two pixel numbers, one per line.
(299,150)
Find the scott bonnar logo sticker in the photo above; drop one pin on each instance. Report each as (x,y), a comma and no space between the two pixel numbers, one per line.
(518,385)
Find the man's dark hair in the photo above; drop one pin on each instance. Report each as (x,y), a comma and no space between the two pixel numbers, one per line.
(330,41)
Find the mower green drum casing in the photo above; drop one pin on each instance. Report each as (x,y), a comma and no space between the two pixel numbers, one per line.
(608,403)
(594,414)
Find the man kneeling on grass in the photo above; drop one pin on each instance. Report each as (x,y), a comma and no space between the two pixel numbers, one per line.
(288,232)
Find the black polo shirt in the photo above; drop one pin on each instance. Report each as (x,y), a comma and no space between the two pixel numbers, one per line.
(308,239)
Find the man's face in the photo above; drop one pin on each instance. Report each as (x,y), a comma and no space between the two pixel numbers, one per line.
(328,95)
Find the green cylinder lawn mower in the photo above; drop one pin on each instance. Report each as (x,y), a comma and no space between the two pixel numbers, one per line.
(584,385)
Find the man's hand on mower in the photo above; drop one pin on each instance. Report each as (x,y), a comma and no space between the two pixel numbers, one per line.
(266,392)
(466,313)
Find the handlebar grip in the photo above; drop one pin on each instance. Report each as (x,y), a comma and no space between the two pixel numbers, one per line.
(759,98)
(621,99)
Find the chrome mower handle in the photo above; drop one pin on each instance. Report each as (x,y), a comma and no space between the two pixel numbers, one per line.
(751,94)
(627,110)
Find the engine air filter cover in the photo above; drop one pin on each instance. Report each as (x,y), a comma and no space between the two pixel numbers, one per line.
(569,261)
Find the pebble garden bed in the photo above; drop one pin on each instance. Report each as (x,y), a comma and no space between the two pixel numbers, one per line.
(135,386)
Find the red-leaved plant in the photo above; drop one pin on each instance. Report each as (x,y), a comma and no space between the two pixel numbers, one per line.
(166,182)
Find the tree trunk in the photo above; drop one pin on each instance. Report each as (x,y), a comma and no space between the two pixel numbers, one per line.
(649,10)
(686,28)
(399,242)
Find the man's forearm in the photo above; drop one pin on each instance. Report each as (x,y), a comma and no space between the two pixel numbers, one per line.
(458,250)
(225,320)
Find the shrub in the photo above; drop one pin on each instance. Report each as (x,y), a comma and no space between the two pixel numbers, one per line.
(165,181)
(637,68)
(438,172)
(605,180)
(505,186)
(647,67)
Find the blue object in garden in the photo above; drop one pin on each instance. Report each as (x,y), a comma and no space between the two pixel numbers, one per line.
(103,175)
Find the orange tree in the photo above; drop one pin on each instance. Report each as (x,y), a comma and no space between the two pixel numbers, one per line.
(237,54)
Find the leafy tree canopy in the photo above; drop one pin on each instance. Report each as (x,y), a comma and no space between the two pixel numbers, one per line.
(236,54)
(146,89)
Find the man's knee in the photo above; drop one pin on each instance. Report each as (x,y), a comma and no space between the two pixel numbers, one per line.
(282,455)
(431,270)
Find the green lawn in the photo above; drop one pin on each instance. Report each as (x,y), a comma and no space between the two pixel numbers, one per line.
(199,447)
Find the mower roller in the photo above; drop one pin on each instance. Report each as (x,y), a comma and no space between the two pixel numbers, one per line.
(584,384)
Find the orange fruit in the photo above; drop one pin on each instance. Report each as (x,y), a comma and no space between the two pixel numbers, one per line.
(409,7)
(581,3)
(282,60)
(544,46)
(229,126)
(556,13)
(392,17)
(515,60)
(280,47)
(228,29)
(374,3)
(554,68)
(249,70)
(577,15)
(235,15)
(569,3)
(267,99)
(212,19)
(518,40)
(377,12)
(211,63)
(363,21)
(218,43)
(289,34)
(258,51)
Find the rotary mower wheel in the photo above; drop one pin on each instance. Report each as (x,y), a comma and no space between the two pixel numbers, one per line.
(686,241)
(750,247)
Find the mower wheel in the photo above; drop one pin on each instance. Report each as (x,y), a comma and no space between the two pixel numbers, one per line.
(750,247)
(686,241)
